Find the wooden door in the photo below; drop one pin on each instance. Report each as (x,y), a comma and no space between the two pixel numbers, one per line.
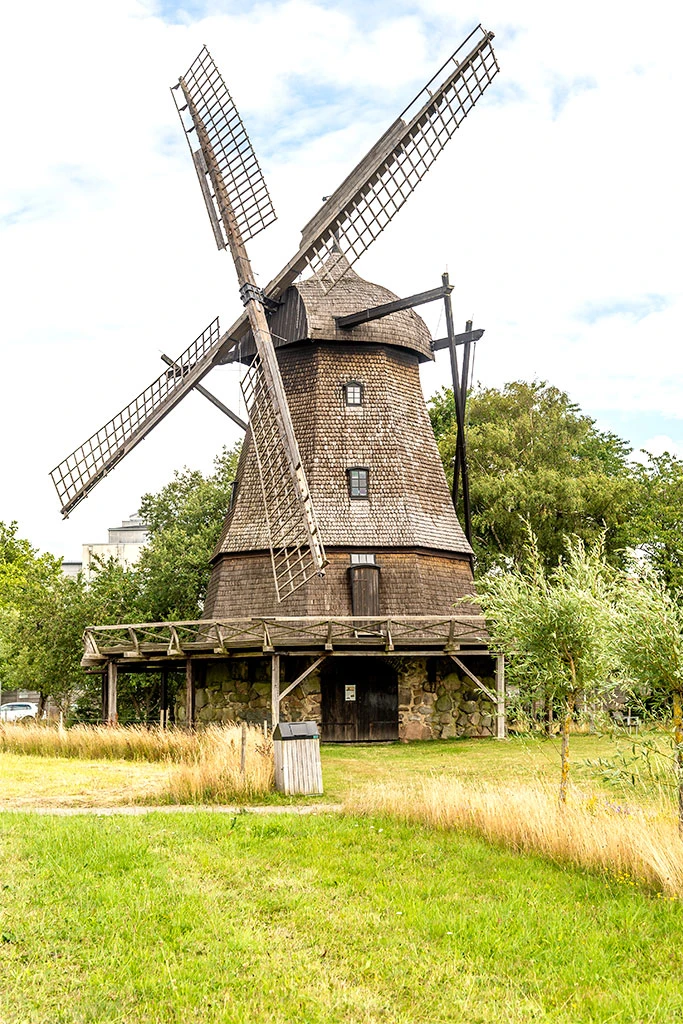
(364,589)
(359,700)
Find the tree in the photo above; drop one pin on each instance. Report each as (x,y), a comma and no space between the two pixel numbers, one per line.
(554,626)
(43,614)
(648,629)
(42,627)
(16,560)
(185,519)
(533,456)
(659,519)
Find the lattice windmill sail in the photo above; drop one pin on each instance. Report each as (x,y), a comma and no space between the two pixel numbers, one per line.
(378,187)
(239,206)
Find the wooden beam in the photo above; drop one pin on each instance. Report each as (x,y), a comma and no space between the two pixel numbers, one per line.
(163,698)
(112,677)
(304,675)
(364,316)
(500,694)
(275,688)
(104,695)
(189,694)
(466,338)
(484,689)
(459,398)
(212,398)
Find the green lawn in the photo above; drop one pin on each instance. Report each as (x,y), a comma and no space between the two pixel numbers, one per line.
(204,918)
(523,758)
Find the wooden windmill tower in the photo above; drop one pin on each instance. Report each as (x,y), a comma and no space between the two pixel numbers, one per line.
(341,506)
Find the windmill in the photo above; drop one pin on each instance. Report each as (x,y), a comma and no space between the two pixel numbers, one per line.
(239,207)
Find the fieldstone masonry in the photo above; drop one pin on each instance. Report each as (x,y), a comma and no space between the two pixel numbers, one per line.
(435,701)
(450,706)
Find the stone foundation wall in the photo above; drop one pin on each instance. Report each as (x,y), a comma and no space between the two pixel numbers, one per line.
(435,699)
(239,691)
(446,705)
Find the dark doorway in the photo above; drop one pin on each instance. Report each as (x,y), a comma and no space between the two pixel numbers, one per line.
(359,700)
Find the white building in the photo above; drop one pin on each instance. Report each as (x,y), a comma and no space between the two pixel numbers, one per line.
(124,544)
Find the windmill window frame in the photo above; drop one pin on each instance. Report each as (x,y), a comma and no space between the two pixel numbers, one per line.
(359,482)
(354,394)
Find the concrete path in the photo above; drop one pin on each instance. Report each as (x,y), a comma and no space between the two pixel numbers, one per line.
(136,810)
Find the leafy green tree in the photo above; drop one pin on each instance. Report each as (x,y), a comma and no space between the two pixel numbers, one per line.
(17,558)
(659,520)
(648,629)
(533,456)
(43,613)
(185,519)
(42,628)
(554,627)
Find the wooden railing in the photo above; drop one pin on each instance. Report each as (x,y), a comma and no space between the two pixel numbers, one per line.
(408,634)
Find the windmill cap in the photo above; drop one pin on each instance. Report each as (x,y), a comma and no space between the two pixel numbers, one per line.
(307,313)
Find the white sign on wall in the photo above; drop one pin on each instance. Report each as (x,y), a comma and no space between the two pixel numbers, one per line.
(350,692)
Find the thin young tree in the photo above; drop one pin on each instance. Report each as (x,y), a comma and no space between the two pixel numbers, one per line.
(648,629)
(554,627)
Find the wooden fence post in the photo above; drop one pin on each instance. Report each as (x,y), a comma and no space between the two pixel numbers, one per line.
(275,688)
(189,694)
(163,698)
(112,716)
(105,676)
(500,697)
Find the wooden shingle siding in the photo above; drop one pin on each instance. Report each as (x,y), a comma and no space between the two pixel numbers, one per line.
(391,435)
(410,583)
(407,519)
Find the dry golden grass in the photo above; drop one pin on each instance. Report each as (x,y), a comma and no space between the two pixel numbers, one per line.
(188,767)
(101,742)
(28,781)
(214,773)
(630,842)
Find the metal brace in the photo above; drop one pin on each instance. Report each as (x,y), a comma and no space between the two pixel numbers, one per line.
(249,291)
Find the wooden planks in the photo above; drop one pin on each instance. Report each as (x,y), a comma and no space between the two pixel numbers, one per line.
(297,767)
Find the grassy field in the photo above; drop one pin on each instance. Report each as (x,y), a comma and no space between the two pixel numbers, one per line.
(397,911)
(29,780)
(176,918)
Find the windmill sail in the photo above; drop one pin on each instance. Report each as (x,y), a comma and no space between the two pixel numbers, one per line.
(348,222)
(77,474)
(378,187)
(295,546)
(226,146)
(241,204)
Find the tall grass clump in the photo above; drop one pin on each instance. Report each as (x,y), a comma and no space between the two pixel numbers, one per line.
(101,742)
(219,771)
(588,831)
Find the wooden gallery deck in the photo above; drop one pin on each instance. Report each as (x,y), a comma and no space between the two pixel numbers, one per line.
(192,646)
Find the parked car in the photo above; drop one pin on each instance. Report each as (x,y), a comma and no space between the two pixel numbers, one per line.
(18,710)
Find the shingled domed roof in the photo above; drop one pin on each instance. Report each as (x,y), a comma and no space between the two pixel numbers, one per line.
(307,313)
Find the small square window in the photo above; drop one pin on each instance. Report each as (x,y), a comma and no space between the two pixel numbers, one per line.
(358,483)
(354,393)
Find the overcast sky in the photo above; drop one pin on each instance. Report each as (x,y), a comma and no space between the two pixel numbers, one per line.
(556,209)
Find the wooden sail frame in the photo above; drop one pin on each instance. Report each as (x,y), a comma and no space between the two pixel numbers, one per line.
(377,187)
(242,204)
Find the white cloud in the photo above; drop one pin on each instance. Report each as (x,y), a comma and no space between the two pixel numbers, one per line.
(558,196)
(658,445)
